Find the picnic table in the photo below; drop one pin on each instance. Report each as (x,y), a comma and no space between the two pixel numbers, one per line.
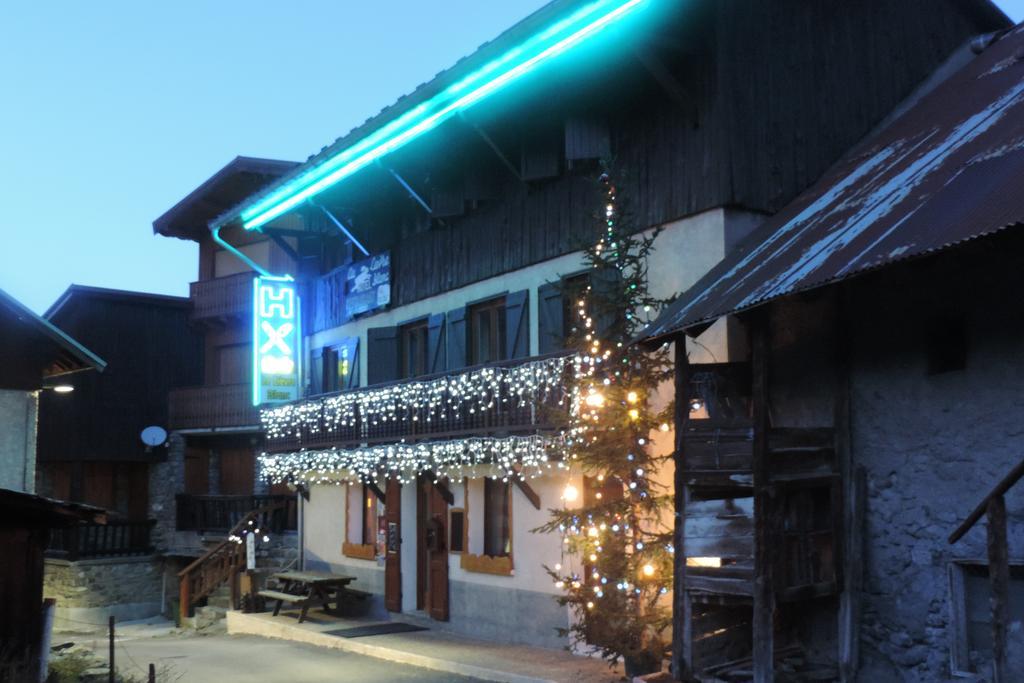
(311,589)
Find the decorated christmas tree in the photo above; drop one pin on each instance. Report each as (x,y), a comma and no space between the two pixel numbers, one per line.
(616,565)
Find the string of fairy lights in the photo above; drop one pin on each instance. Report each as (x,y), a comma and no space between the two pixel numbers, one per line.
(445,398)
(505,458)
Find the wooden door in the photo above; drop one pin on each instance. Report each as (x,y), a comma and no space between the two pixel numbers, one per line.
(436,597)
(237,471)
(393,542)
(197,470)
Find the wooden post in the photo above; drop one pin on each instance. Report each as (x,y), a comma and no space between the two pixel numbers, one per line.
(681,617)
(764,593)
(152,673)
(999,575)
(184,598)
(110,628)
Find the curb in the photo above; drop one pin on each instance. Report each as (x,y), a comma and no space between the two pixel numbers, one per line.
(239,623)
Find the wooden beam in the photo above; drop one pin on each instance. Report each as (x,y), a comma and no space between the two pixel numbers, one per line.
(528,491)
(285,247)
(372,485)
(1001,488)
(494,148)
(764,594)
(676,91)
(682,621)
(999,575)
(440,486)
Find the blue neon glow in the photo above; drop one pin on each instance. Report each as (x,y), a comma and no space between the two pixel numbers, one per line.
(277,340)
(487,80)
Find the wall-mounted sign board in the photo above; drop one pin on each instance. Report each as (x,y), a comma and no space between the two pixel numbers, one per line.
(277,340)
(368,285)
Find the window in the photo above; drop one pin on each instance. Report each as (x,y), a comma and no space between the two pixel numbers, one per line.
(573,289)
(341,366)
(413,343)
(970,590)
(457,530)
(369,507)
(487,332)
(497,536)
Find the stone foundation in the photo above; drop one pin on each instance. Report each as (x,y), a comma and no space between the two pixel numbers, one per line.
(89,591)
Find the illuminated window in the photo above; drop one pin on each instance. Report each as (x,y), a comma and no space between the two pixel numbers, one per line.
(413,340)
(497,534)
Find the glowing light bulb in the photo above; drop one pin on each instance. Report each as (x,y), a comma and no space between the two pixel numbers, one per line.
(631,397)
(648,570)
(664,427)
(634,414)
(570,494)
(595,399)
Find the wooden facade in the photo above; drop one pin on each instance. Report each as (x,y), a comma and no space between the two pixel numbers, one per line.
(737,104)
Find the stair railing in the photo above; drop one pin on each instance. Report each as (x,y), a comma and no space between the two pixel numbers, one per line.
(221,563)
(993,507)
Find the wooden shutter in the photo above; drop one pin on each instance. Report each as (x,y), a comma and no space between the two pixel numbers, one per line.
(316,372)
(550,325)
(517,324)
(382,354)
(457,335)
(542,153)
(435,344)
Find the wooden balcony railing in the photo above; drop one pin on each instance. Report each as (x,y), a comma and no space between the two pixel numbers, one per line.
(228,405)
(507,413)
(116,538)
(222,297)
(220,513)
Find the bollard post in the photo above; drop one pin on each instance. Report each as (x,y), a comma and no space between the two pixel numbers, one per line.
(110,628)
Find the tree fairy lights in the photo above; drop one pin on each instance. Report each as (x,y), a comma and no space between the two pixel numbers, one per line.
(450,397)
(616,562)
(523,457)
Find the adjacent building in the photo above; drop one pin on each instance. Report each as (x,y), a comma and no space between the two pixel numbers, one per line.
(881,403)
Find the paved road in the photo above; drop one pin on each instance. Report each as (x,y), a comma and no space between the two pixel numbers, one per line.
(250,659)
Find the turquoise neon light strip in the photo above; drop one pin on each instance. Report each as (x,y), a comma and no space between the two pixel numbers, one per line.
(487,80)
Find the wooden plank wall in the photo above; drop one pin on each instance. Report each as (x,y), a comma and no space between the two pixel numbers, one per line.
(780,90)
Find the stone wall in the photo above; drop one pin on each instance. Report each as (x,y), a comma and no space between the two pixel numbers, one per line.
(165,480)
(18,415)
(88,591)
(932,446)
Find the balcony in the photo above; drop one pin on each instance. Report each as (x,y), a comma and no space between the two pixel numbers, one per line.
(497,399)
(116,538)
(222,298)
(208,407)
(220,513)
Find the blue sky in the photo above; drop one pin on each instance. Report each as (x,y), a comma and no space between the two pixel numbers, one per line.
(113,111)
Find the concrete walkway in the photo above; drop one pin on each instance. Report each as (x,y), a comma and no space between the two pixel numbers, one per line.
(433,650)
(249,659)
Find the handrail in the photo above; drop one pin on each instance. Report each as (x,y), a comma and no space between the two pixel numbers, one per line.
(229,553)
(1001,488)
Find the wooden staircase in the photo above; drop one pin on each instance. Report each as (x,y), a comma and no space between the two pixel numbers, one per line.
(222,564)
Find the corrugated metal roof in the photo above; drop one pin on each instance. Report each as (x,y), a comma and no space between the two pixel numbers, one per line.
(949,169)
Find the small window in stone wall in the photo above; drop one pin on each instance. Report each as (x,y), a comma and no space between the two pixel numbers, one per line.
(970,591)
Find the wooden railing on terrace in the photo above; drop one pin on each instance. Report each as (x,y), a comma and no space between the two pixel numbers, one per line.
(220,513)
(222,297)
(227,405)
(506,416)
(116,538)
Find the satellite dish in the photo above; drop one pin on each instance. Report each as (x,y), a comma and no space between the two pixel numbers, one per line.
(154,436)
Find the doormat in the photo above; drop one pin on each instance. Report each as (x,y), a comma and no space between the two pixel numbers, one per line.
(375,630)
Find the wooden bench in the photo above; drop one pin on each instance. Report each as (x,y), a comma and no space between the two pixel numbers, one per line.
(298,600)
